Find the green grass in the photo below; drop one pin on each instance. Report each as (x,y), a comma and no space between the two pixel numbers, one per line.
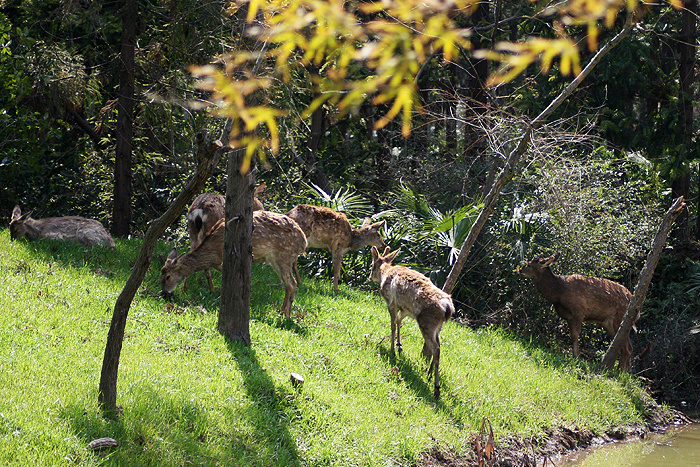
(189,397)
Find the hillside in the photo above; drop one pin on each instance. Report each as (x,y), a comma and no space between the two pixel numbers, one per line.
(189,397)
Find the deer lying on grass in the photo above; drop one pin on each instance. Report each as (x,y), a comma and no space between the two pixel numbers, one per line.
(204,213)
(277,240)
(580,299)
(330,230)
(410,293)
(70,228)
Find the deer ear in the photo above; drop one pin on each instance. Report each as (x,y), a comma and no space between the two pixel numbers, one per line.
(551,259)
(16,213)
(366,223)
(375,253)
(377,225)
(172,255)
(391,256)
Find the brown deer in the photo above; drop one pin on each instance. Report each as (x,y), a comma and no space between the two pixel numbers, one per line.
(410,293)
(204,213)
(277,240)
(330,230)
(580,299)
(70,228)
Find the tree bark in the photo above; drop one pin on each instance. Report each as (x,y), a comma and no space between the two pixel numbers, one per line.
(121,214)
(237,270)
(640,291)
(208,154)
(508,170)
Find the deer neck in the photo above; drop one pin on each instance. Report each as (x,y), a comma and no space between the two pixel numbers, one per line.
(358,239)
(34,228)
(191,263)
(549,285)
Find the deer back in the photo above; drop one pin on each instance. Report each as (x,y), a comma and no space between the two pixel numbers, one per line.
(409,290)
(276,238)
(70,228)
(323,227)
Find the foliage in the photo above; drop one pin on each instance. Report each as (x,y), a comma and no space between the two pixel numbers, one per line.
(189,397)
(669,316)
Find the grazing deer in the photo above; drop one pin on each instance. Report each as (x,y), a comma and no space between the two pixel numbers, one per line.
(580,299)
(204,213)
(70,228)
(330,230)
(410,293)
(277,240)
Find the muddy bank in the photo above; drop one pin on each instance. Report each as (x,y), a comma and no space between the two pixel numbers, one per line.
(559,441)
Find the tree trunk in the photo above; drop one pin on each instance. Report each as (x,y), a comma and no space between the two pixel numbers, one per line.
(509,169)
(121,214)
(237,270)
(207,157)
(308,163)
(686,67)
(640,291)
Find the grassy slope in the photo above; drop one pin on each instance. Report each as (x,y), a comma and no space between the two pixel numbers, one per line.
(189,397)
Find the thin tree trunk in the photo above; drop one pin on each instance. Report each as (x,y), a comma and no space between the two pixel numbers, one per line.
(508,170)
(121,214)
(686,69)
(640,291)
(208,154)
(237,270)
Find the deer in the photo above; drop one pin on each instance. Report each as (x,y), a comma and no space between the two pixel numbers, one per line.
(331,231)
(277,240)
(204,213)
(410,293)
(69,228)
(578,299)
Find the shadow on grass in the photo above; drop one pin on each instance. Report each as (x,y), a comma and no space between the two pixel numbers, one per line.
(416,379)
(271,407)
(157,431)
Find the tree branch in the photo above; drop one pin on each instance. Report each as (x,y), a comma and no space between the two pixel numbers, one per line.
(509,169)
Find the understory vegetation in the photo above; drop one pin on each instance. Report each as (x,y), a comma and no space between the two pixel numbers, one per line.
(187,396)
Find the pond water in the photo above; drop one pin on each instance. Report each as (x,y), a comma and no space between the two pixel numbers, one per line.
(678,447)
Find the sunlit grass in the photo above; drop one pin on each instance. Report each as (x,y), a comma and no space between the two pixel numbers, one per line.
(190,397)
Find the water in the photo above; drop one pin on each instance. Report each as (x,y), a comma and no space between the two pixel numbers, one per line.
(679,447)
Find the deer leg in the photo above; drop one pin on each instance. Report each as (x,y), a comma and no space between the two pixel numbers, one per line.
(284,272)
(337,263)
(392,314)
(575,327)
(626,356)
(296,271)
(398,331)
(431,349)
(207,272)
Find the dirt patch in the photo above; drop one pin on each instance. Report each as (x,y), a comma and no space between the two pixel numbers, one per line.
(557,442)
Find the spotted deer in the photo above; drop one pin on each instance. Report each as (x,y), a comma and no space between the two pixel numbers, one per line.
(204,213)
(579,299)
(69,228)
(410,293)
(277,240)
(330,230)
